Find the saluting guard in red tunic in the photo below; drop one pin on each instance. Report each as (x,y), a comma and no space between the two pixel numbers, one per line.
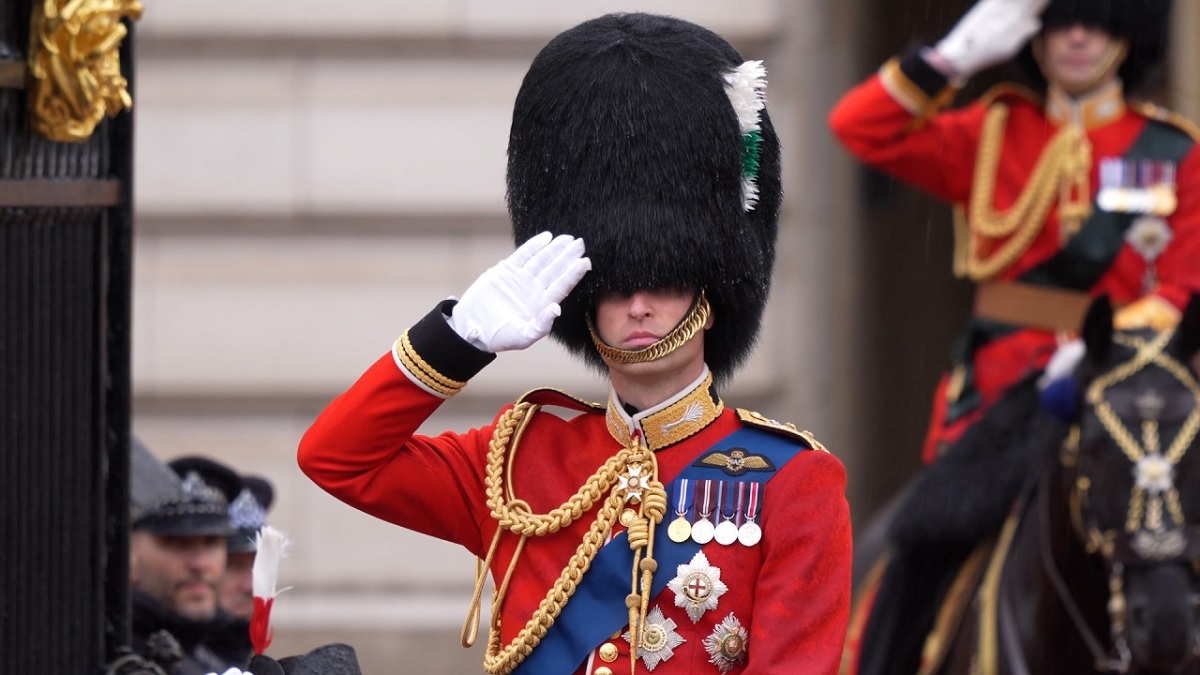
(1061,193)
(1059,196)
(663,530)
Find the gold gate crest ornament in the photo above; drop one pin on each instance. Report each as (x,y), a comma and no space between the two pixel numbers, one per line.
(75,65)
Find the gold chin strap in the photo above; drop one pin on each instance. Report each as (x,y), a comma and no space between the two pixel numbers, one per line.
(687,328)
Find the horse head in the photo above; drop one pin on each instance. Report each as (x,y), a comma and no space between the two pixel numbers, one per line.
(1135,497)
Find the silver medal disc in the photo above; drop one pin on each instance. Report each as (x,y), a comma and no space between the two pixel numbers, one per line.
(703,531)
(726,533)
(749,534)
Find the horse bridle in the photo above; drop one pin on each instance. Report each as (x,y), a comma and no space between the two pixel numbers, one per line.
(1148,537)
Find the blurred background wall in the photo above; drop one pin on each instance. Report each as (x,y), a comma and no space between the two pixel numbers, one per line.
(311,177)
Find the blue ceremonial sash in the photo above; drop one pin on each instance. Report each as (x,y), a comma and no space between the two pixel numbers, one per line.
(597,608)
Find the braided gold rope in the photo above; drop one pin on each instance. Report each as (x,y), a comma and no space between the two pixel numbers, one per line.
(515,515)
(1173,505)
(641,540)
(1137,509)
(1061,171)
(1154,512)
(1147,352)
(691,324)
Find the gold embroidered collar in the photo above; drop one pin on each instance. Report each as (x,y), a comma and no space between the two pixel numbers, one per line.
(1096,109)
(671,421)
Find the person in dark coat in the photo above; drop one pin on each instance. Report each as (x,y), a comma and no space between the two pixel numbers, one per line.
(177,554)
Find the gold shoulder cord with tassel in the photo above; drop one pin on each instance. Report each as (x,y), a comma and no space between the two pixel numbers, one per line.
(1061,172)
(629,476)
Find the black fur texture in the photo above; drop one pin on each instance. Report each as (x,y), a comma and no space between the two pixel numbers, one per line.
(1144,23)
(967,493)
(622,134)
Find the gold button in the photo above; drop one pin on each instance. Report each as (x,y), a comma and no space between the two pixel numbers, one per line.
(627,517)
(602,670)
(608,652)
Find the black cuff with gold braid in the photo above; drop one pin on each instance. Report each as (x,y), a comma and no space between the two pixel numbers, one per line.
(915,84)
(928,79)
(436,357)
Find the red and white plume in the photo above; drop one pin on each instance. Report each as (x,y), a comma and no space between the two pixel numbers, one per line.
(273,545)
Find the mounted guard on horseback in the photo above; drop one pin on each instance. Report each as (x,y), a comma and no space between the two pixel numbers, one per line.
(1064,191)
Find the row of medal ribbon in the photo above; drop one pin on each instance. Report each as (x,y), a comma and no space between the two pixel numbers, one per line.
(725,511)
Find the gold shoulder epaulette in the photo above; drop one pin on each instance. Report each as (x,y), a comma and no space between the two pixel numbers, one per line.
(558,397)
(1166,116)
(1009,90)
(760,421)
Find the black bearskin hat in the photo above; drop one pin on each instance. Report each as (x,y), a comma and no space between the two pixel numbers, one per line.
(1145,24)
(623,134)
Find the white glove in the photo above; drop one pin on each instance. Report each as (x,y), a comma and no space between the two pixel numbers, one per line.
(514,303)
(992,32)
(1063,362)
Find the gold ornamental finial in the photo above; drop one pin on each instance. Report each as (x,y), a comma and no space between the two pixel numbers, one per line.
(75,65)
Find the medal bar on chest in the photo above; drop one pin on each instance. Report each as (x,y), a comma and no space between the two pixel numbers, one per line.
(680,529)
(727,531)
(749,534)
(703,529)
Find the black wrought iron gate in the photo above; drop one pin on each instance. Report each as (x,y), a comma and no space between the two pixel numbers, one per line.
(65,261)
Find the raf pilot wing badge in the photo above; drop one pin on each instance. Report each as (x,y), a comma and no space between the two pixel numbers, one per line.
(735,461)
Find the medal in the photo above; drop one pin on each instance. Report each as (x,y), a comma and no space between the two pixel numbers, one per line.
(680,529)
(727,644)
(627,517)
(1132,186)
(703,530)
(697,586)
(750,533)
(658,641)
(727,531)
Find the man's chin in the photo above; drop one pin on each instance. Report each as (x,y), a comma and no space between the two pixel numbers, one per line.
(196,610)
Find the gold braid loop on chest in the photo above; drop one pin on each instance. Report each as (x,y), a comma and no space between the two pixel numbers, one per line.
(629,476)
(1061,174)
(1146,503)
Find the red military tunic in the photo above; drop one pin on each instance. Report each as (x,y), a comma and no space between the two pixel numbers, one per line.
(790,592)
(892,122)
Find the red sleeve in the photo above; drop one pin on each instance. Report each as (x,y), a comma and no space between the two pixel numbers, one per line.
(802,600)
(1179,267)
(936,155)
(363,449)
